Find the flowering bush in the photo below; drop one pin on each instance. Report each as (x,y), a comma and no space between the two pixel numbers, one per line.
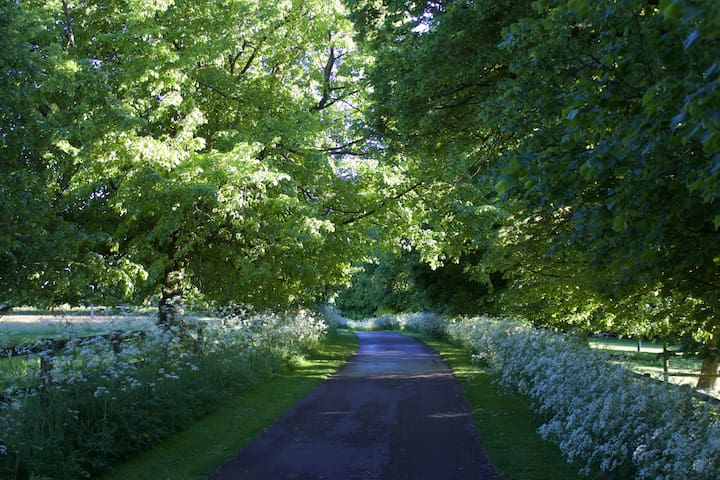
(333,318)
(425,321)
(98,401)
(600,414)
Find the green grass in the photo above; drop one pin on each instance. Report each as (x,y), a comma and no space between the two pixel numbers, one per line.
(505,423)
(206,444)
(11,335)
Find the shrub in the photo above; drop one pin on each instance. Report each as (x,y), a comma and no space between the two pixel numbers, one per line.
(425,321)
(333,318)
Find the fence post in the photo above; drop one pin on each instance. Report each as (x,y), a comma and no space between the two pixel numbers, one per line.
(200,339)
(45,378)
(45,366)
(117,342)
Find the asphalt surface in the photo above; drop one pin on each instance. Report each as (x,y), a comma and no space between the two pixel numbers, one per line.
(393,412)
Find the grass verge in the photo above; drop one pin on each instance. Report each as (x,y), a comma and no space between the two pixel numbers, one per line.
(200,449)
(505,423)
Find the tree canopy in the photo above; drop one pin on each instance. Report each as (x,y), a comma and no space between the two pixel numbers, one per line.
(559,158)
(176,146)
(571,146)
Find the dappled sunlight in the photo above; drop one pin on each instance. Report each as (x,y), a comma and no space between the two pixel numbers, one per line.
(623,345)
(410,376)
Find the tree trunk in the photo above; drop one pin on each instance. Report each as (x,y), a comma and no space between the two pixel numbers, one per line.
(710,366)
(69,34)
(170,307)
(710,363)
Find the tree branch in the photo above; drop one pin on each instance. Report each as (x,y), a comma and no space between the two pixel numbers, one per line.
(69,35)
(368,213)
(250,60)
(219,92)
(327,77)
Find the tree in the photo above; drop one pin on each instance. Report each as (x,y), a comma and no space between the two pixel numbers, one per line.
(39,247)
(193,146)
(605,143)
(588,125)
(435,64)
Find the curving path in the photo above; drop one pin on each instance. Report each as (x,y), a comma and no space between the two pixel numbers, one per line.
(393,412)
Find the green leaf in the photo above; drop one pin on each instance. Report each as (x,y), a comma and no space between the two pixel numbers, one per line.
(696,185)
(671,9)
(502,186)
(587,172)
(579,6)
(619,223)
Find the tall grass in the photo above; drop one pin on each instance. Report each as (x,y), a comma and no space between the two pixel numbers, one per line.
(98,405)
(203,446)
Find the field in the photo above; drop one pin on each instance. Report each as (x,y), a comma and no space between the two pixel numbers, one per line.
(29,325)
(25,326)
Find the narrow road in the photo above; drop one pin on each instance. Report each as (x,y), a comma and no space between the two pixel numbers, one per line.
(393,412)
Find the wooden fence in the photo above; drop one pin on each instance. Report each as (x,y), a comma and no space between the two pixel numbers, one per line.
(666,355)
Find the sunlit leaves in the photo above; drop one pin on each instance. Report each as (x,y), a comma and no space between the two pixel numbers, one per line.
(201,137)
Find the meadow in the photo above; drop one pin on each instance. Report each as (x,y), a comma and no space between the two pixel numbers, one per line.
(28,325)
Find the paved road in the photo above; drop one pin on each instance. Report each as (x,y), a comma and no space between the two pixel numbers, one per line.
(393,412)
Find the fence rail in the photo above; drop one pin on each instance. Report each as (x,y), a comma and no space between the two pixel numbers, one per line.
(667,354)
(48,348)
